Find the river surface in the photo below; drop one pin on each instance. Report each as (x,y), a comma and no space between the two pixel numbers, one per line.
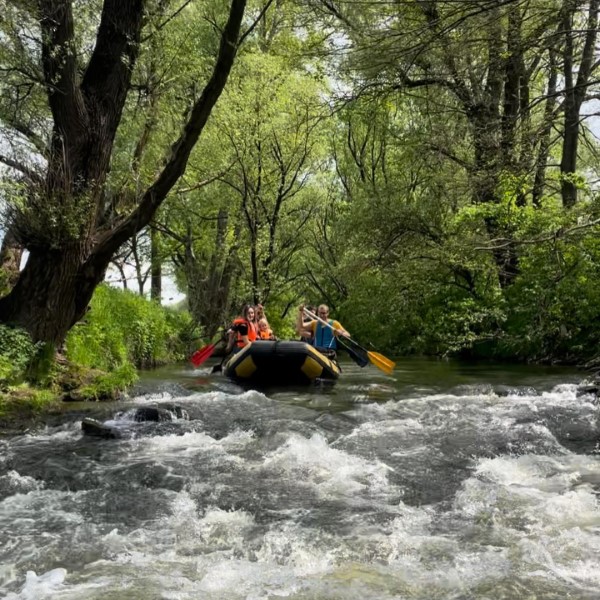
(443,481)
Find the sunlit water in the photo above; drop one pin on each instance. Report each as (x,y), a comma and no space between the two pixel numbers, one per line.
(441,482)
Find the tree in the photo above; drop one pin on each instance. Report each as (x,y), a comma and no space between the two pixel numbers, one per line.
(71,223)
(276,144)
(256,183)
(492,64)
(577,81)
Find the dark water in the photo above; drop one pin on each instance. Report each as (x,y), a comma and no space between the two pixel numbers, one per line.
(443,481)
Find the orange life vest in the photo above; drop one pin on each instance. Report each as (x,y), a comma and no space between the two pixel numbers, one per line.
(251,331)
(266,335)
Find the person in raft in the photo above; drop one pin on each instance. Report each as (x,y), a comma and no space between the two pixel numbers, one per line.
(305,321)
(264,331)
(259,314)
(242,331)
(323,338)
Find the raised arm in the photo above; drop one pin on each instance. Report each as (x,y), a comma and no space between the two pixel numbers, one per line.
(303,329)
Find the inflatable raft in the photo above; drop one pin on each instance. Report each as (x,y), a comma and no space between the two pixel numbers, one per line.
(280,363)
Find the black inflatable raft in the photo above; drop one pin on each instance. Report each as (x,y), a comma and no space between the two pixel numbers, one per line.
(280,363)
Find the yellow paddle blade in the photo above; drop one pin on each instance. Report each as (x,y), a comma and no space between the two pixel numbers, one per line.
(381,362)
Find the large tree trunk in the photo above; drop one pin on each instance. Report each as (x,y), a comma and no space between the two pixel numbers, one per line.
(209,285)
(52,294)
(575,91)
(541,160)
(54,289)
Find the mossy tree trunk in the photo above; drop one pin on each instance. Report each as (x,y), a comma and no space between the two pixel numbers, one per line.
(69,225)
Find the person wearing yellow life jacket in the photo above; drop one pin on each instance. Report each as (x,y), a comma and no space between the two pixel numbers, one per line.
(323,338)
(242,331)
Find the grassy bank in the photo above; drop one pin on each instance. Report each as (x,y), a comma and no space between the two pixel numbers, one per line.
(121,332)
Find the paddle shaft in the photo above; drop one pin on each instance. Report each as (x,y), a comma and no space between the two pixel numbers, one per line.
(380,361)
(204,353)
(322,321)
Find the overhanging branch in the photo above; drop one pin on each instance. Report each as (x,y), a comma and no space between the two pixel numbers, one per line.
(182,148)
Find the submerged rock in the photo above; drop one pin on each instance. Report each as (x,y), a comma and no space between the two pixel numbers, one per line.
(166,412)
(97,429)
(585,389)
(144,414)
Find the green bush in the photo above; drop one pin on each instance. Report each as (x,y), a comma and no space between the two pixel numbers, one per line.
(108,386)
(16,352)
(123,328)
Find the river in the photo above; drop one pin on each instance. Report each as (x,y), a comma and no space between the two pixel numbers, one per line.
(443,481)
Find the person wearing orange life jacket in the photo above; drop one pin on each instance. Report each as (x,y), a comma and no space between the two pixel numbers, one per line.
(264,331)
(242,331)
(323,338)
(259,314)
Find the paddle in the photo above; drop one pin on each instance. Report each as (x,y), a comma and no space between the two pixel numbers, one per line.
(361,359)
(380,361)
(203,354)
(218,368)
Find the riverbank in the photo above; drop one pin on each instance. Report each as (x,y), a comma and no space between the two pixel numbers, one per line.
(99,360)
(25,406)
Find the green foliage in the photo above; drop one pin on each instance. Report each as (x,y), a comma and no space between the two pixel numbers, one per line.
(4,287)
(554,305)
(16,353)
(123,328)
(25,401)
(392,207)
(109,385)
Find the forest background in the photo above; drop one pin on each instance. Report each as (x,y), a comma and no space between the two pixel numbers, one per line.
(424,167)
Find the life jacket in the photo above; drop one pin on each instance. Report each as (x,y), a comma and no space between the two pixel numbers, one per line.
(266,335)
(251,331)
(323,336)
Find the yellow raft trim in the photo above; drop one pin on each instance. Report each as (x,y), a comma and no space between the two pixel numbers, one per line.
(314,365)
(311,368)
(245,368)
(333,367)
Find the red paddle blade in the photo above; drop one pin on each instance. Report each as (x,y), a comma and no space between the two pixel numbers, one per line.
(203,354)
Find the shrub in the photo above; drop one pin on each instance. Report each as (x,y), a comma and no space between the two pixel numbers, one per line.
(122,327)
(16,353)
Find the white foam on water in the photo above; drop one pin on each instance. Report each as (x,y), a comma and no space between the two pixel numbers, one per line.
(222,397)
(333,473)
(67,432)
(154,398)
(563,395)
(40,587)
(243,579)
(528,518)
(539,505)
(216,530)
(49,504)
(290,558)
(399,427)
(14,483)
(409,436)
(194,553)
(161,448)
(187,531)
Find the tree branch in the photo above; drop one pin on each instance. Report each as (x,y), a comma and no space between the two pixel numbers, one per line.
(182,148)
(499,243)
(59,60)
(29,173)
